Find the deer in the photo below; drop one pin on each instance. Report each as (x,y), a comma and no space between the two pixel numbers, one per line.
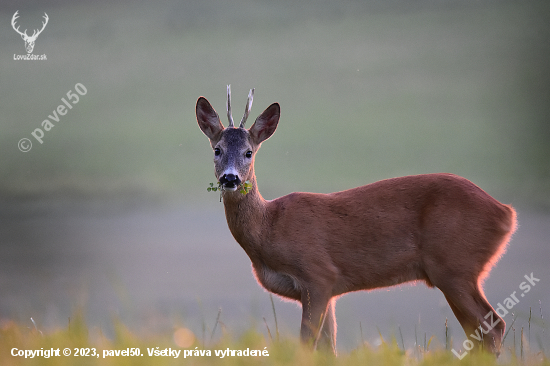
(311,248)
(29,40)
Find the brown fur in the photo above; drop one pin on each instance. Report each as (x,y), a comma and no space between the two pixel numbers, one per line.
(312,248)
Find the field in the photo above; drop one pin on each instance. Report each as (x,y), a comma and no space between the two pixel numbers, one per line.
(106,221)
(78,344)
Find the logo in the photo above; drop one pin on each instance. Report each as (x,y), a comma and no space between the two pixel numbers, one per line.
(29,40)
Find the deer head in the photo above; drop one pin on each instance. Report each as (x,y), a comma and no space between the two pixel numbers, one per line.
(235,148)
(29,40)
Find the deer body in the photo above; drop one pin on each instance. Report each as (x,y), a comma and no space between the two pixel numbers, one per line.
(312,248)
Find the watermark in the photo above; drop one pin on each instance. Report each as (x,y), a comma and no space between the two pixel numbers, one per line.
(136,352)
(30,57)
(73,98)
(24,144)
(501,309)
(29,40)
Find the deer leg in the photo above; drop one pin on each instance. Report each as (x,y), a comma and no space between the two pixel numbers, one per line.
(314,315)
(478,318)
(327,338)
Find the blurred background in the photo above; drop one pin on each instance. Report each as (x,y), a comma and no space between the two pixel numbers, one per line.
(110,214)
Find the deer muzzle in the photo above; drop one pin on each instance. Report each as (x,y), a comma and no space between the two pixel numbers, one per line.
(230,181)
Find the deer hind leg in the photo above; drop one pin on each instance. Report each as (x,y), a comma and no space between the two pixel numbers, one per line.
(318,326)
(481,323)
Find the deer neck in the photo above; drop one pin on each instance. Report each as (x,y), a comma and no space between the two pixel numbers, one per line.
(246,215)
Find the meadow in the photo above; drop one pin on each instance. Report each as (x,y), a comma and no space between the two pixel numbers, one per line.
(79,344)
(111,214)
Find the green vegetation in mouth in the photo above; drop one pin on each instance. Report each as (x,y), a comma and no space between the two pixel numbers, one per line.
(243,188)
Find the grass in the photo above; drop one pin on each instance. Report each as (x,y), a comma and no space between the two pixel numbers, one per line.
(283,351)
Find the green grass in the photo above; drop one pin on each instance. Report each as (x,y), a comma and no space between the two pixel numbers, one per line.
(285,351)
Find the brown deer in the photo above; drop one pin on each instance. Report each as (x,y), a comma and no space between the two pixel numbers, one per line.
(312,248)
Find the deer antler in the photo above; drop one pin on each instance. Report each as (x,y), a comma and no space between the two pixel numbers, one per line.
(24,34)
(229,116)
(247,107)
(35,35)
(15,16)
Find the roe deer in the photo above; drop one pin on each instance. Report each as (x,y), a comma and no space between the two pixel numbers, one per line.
(311,248)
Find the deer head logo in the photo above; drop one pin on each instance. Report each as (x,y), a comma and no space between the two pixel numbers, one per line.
(29,40)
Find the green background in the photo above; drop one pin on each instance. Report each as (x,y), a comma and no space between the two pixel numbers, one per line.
(368,90)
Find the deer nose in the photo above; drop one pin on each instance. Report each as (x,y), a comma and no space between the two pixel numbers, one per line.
(230,180)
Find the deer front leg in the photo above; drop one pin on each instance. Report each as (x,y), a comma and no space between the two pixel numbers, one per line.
(314,318)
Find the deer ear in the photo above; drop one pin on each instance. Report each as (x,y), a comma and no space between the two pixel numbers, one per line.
(266,123)
(208,119)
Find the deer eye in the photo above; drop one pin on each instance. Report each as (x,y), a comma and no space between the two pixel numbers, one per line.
(217,152)
(248,154)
